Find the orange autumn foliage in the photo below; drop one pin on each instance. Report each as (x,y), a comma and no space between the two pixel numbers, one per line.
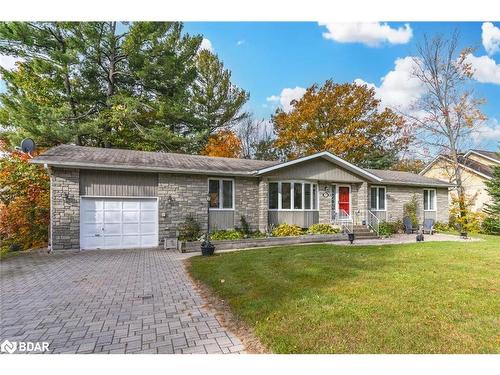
(24,201)
(224,143)
(345,119)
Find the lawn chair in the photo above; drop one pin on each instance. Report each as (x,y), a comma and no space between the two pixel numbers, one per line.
(428,226)
(408,224)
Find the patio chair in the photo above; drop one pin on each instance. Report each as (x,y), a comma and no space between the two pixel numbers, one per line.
(428,226)
(408,224)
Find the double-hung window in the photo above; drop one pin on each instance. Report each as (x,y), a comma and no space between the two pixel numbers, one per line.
(377,198)
(429,199)
(293,195)
(221,192)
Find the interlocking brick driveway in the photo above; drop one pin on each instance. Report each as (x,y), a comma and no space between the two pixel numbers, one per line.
(114,301)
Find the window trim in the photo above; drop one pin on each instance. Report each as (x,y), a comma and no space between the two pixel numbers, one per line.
(292,196)
(434,200)
(233,200)
(378,187)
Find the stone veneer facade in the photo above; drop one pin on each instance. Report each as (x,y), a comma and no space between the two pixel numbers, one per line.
(65,208)
(182,195)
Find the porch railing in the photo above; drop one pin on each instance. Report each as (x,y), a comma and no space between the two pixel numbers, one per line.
(344,220)
(373,222)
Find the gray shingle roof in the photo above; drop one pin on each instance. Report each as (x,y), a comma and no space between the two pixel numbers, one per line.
(109,158)
(406,178)
(118,159)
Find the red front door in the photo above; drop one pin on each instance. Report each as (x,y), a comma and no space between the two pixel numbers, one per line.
(344,192)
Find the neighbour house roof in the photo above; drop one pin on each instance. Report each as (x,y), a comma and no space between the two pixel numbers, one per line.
(475,166)
(493,156)
(71,156)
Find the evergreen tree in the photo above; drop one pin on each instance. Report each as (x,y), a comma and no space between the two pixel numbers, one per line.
(216,101)
(143,85)
(493,188)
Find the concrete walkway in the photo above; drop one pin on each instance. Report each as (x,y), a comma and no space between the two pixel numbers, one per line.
(107,301)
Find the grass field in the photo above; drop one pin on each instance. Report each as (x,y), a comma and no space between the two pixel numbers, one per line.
(440,297)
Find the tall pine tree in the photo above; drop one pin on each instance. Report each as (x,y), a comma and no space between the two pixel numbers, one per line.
(112,84)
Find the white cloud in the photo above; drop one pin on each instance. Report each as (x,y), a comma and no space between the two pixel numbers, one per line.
(286,96)
(371,34)
(240,42)
(486,70)
(491,37)
(206,44)
(489,132)
(399,88)
(8,62)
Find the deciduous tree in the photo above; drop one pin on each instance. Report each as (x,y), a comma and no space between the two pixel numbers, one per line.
(345,119)
(447,113)
(224,143)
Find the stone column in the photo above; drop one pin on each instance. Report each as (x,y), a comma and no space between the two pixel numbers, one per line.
(65,208)
(325,203)
(263,204)
(363,200)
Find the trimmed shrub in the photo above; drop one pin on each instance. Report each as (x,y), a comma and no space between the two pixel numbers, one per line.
(386,229)
(323,229)
(285,230)
(226,235)
(442,227)
(190,230)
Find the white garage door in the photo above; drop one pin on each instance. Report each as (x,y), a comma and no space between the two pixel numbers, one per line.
(118,223)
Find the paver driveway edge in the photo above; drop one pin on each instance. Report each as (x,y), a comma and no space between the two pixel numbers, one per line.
(108,301)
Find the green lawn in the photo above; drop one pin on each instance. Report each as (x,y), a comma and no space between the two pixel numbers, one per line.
(414,298)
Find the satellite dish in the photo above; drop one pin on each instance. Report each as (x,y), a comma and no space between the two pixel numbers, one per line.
(28,145)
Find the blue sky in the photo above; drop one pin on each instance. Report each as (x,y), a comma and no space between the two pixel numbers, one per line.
(266,58)
(275,61)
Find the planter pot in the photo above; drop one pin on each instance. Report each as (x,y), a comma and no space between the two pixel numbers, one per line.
(463,234)
(207,248)
(351,237)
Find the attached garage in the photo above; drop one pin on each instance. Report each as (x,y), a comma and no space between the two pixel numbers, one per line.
(118,223)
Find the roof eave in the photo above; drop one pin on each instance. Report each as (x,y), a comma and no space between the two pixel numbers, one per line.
(138,169)
(419,184)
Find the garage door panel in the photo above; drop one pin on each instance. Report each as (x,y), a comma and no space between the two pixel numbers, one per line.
(112,229)
(130,229)
(118,223)
(92,204)
(91,229)
(112,216)
(131,241)
(131,205)
(94,242)
(93,217)
(113,204)
(148,205)
(131,216)
(148,216)
(111,241)
(148,228)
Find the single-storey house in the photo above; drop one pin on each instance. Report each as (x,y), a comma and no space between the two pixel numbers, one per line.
(476,167)
(112,198)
